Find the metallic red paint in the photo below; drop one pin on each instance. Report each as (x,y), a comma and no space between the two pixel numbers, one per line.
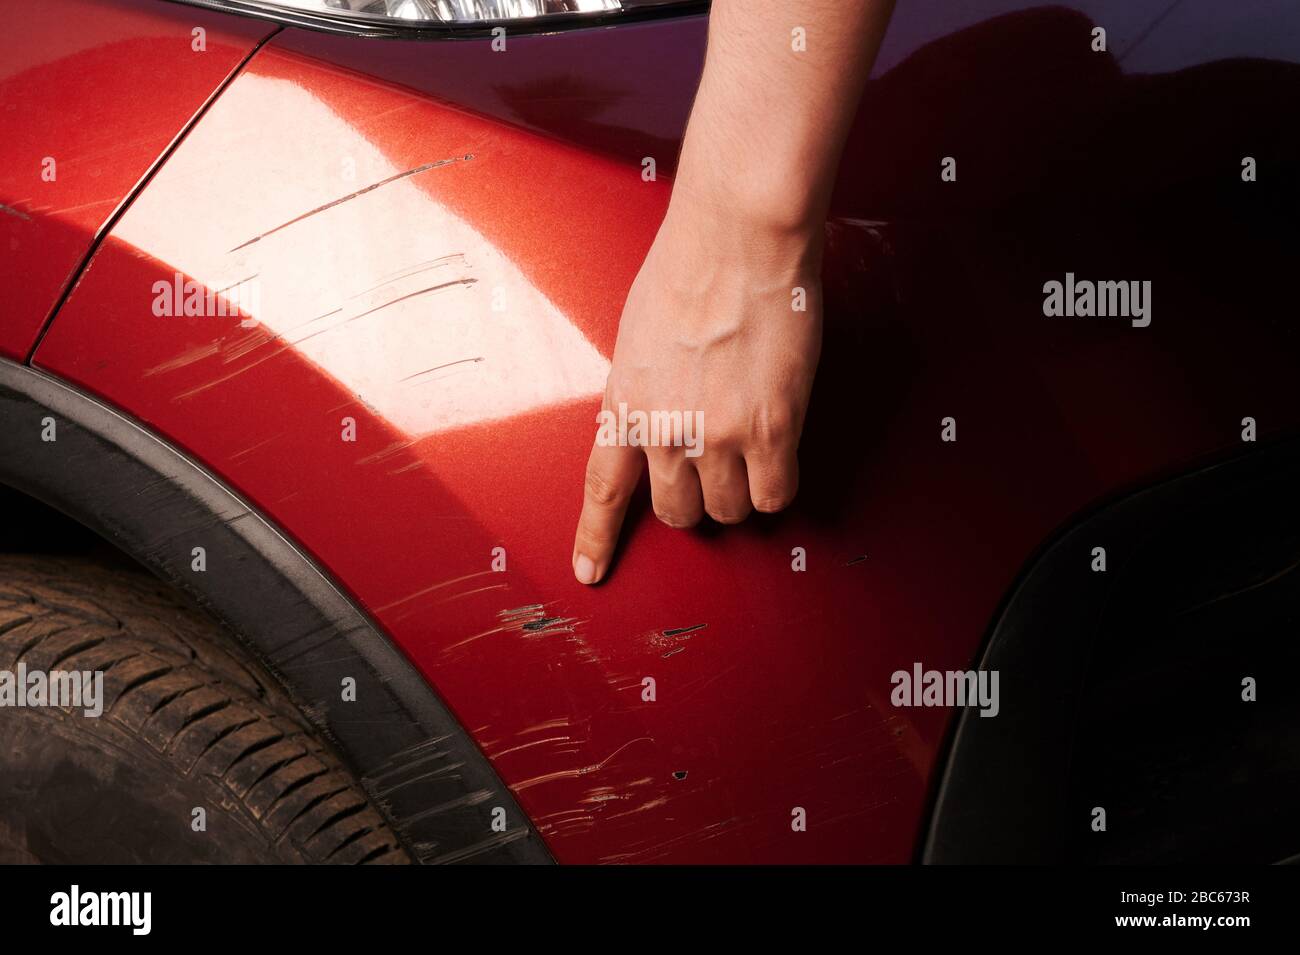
(622,91)
(772,686)
(101,87)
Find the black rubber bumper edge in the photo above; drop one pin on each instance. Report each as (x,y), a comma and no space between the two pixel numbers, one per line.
(419,765)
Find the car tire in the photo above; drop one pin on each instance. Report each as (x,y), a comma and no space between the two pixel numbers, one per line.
(198,756)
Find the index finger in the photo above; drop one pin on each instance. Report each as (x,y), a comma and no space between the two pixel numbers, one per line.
(612,473)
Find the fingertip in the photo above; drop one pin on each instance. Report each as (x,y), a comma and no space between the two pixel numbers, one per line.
(612,474)
(585,569)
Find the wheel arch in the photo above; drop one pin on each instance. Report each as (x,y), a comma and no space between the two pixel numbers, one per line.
(1003,793)
(153,502)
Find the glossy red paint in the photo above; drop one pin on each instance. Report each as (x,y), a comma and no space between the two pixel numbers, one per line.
(99,88)
(382,226)
(622,91)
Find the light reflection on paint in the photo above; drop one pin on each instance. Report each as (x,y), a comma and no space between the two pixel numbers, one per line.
(415,311)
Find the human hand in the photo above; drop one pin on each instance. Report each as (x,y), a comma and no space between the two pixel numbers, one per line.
(722,324)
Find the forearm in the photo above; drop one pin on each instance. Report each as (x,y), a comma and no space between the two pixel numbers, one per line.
(724,318)
(770,118)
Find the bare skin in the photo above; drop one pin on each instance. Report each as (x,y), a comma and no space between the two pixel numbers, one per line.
(710,323)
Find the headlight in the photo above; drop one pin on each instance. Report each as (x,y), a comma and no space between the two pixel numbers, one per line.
(415,17)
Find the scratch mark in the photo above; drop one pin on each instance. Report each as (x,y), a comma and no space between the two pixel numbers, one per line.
(249,450)
(246,344)
(314,663)
(371,117)
(681,630)
(153,143)
(410,270)
(530,620)
(15,212)
(233,284)
(518,611)
(186,358)
(541,821)
(536,742)
(353,195)
(255,340)
(431,589)
(644,807)
(547,725)
(478,590)
(674,638)
(224,378)
(401,298)
(700,834)
(284,662)
(85,205)
(386,452)
(856,560)
(543,622)
(410,756)
(459,855)
(429,371)
(580,771)
(469,799)
(151,485)
(440,771)
(702,685)
(311,321)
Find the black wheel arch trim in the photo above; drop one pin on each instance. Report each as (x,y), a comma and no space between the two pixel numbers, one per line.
(108,472)
(1001,790)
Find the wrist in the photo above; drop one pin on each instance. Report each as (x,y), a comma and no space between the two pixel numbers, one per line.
(743,217)
(772,168)
(758,197)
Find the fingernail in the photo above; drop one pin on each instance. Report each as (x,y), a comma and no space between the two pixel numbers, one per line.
(584,568)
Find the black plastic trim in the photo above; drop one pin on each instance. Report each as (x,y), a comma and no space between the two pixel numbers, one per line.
(151,501)
(1003,793)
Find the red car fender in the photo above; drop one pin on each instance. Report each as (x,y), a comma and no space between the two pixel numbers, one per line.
(439,296)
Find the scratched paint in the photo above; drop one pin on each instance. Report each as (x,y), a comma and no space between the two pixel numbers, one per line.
(501,344)
(771,705)
(529,621)
(351,195)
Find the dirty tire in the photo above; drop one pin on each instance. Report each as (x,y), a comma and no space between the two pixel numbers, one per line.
(189,721)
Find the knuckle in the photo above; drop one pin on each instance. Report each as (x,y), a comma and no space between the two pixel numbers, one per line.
(770,502)
(657,457)
(726,436)
(724,515)
(600,490)
(773,427)
(664,456)
(673,520)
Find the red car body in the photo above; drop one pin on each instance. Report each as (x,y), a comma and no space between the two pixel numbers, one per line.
(442,237)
